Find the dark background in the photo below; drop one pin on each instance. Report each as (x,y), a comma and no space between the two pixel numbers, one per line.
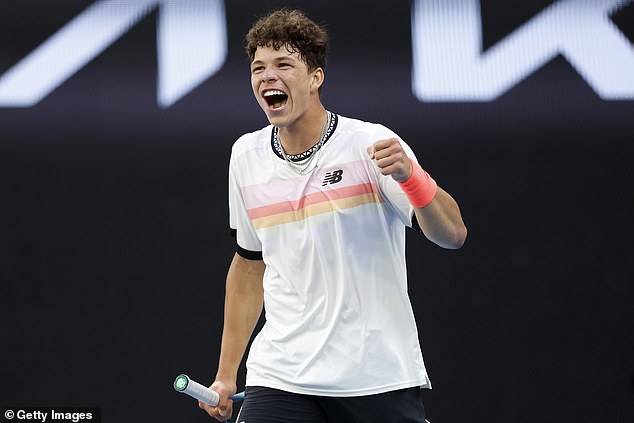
(114,240)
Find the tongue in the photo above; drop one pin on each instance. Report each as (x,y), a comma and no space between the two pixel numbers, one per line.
(277,101)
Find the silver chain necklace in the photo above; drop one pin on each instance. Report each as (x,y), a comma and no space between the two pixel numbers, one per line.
(304,166)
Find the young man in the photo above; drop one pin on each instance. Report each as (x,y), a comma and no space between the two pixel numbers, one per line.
(319,204)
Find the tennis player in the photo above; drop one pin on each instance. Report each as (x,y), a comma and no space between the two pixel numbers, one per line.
(319,204)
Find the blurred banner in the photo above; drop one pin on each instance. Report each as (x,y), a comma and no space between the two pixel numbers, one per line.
(159,66)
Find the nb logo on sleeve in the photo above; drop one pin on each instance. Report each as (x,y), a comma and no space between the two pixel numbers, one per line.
(333,177)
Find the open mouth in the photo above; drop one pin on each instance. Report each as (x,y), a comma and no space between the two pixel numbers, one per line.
(275,98)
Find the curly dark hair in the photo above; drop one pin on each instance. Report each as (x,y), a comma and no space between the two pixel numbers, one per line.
(291,29)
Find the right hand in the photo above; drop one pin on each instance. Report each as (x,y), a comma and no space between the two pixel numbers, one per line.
(224,409)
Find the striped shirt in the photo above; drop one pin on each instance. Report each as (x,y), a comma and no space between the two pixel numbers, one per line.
(338,318)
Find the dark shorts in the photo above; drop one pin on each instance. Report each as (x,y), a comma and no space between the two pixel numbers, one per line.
(267,405)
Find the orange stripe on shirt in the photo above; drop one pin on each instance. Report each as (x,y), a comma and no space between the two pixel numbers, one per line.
(314,209)
(312,199)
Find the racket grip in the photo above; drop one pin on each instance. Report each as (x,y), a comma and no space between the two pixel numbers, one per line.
(184,384)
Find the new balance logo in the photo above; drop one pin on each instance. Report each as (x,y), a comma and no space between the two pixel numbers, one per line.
(332,177)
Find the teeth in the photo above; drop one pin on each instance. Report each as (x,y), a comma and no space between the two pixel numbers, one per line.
(273,92)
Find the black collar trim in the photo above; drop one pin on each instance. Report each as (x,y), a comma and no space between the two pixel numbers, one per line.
(277,148)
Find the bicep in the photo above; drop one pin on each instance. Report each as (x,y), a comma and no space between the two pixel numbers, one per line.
(245,276)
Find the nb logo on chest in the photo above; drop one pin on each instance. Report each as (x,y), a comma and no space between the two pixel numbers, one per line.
(332,177)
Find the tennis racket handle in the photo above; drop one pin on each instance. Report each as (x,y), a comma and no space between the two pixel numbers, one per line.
(194,389)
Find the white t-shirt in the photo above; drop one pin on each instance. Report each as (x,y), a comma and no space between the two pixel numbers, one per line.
(339,321)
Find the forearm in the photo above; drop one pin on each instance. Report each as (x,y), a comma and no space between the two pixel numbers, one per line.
(436,211)
(441,221)
(244,299)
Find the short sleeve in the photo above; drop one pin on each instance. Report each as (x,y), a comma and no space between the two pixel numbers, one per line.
(239,221)
(390,189)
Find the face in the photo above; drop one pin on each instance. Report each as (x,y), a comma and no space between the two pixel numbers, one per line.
(283,86)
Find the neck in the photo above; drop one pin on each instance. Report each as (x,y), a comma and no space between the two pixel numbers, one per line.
(305,133)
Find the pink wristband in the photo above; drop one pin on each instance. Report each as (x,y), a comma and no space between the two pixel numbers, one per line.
(420,188)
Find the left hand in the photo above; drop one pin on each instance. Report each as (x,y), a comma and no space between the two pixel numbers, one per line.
(389,156)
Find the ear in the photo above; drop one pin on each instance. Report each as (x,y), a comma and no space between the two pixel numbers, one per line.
(317,78)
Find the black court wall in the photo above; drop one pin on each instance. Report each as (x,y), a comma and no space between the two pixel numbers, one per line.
(114,240)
